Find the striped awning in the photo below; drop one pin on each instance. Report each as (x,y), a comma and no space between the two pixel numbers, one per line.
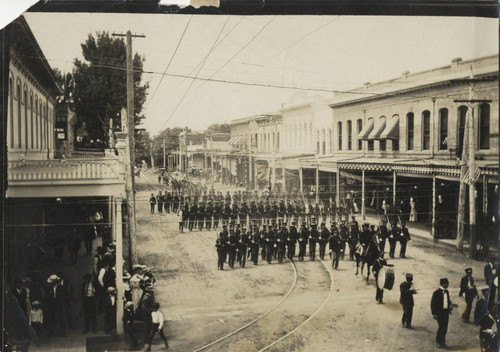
(377,130)
(391,130)
(467,176)
(366,130)
(231,140)
(235,140)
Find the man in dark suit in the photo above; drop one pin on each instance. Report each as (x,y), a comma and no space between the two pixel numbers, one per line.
(441,307)
(468,288)
(88,292)
(379,263)
(110,311)
(490,273)
(406,300)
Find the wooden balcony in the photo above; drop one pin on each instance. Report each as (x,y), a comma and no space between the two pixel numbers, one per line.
(75,177)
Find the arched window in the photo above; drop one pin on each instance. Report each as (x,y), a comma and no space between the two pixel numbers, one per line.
(349,135)
(25,98)
(443,129)
(462,115)
(426,130)
(19,114)
(11,102)
(484,126)
(31,119)
(358,131)
(339,129)
(409,130)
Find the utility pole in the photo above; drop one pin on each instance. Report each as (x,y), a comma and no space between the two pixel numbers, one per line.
(471,145)
(164,156)
(151,154)
(212,159)
(131,131)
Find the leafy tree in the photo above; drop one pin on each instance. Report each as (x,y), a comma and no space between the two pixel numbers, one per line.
(100,84)
(219,127)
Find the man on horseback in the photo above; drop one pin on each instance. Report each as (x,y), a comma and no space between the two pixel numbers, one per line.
(365,237)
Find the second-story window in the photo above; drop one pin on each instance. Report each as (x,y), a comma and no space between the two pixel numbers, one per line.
(358,130)
(383,145)
(395,144)
(339,128)
(443,129)
(426,130)
(370,144)
(409,131)
(484,126)
(462,115)
(349,135)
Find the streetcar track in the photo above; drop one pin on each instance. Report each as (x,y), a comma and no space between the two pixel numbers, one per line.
(309,317)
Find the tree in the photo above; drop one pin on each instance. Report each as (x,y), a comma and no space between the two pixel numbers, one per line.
(171,138)
(100,85)
(219,127)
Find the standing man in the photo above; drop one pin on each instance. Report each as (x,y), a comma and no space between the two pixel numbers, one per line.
(281,242)
(159,201)
(382,234)
(221,246)
(441,308)
(313,239)
(406,300)
(152,203)
(393,238)
(292,240)
(405,237)
(335,247)
(156,326)
(242,247)
(490,274)
(303,237)
(232,243)
(89,303)
(468,288)
(379,263)
(324,235)
(254,245)
(263,244)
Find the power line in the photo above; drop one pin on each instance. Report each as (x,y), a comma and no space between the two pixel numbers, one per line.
(171,59)
(192,82)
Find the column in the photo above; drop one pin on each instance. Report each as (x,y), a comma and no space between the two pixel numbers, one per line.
(337,186)
(119,266)
(111,212)
(433,224)
(394,189)
(485,196)
(283,169)
(317,184)
(363,210)
(301,181)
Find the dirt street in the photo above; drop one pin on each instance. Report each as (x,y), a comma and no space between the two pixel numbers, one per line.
(202,304)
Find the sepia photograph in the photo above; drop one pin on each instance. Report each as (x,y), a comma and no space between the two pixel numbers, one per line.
(201,179)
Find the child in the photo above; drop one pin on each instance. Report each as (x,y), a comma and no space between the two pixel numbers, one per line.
(157,325)
(36,318)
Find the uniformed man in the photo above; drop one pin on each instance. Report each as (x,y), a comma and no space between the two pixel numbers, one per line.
(403,240)
(335,246)
(324,236)
(221,245)
(281,212)
(393,238)
(382,234)
(468,288)
(377,265)
(193,213)
(218,209)
(159,202)
(168,202)
(261,211)
(365,237)
(234,212)
(353,237)
(281,241)
(243,213)
(292,240)
(232,242)
(201,216)
(344,236)
(152,203)
(263,243)
(253,213)
(209,210)
(270,244)
(254,245)
(227,212)
(244,240)
(313,239)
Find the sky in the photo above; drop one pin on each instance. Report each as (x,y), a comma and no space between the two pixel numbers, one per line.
(241,56)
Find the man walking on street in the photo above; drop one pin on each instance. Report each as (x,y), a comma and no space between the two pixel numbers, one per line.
(405,237)
(406,300)
(441,308)
(157,326)
(379,263)
(468,288)
(152,203)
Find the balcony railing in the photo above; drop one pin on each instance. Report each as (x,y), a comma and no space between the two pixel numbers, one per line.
(74,169)
(79,154)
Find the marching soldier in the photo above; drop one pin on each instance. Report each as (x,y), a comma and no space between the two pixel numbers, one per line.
(209,210)
(152,203)
(270,244)
(254,245)
(261,211)
(234,213)
(168,202)
(253,212)
(382,234)
(243,214)
(335,246)
(217,214)
(393,238)
(365,237)
(405,237)
(379,263)
(263,242)
(227,212)
(281,242)
(324,235)
(313,239)
(352,237)
(201,216)
(159,202)
(242,248)
(274,230)
(232,241)
(221,246)
(274,211)
(193,212)
(292,240)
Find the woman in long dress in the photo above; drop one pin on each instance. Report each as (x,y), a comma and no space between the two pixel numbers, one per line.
(413,211)
(135,286)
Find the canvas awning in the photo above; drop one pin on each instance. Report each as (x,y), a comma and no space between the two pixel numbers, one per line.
(231,140)
(377,130)
(235,140)
(391,130)
(366,130)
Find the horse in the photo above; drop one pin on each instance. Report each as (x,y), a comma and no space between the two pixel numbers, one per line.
(368,257)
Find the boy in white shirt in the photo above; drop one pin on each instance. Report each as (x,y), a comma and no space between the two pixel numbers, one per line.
(157,326)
